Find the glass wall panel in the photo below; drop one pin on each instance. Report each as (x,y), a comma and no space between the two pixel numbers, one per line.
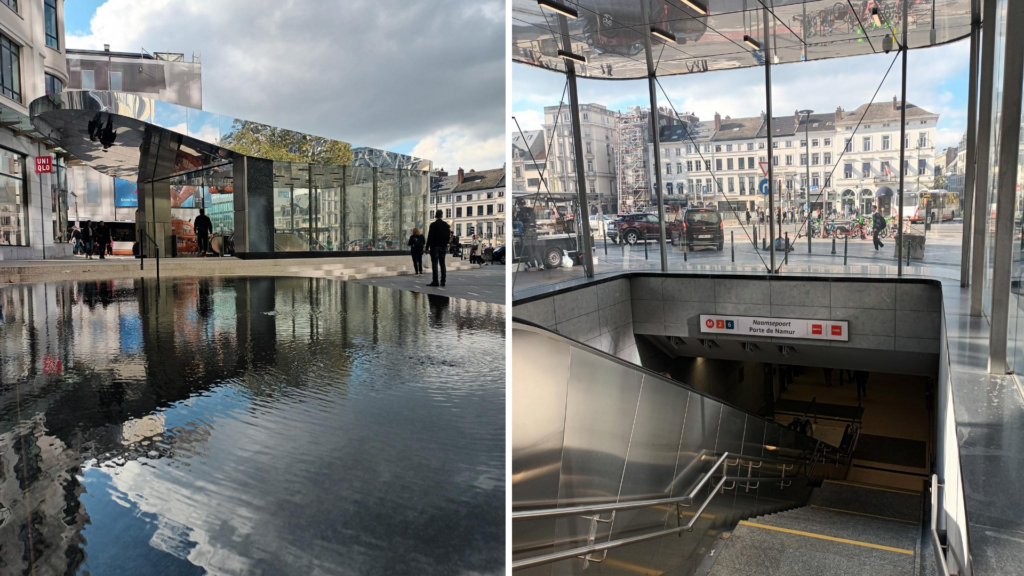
(1015,325)
(13,200)
(414,200)
(388,203)
(358,208)
(990,189)
(328,183)
(210,189)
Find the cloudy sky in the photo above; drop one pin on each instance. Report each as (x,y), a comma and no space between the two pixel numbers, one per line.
(936,80)
(425,77)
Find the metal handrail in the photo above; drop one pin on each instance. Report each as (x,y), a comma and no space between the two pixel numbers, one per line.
(615,506)
(940,555)
(584,550)
(142,258)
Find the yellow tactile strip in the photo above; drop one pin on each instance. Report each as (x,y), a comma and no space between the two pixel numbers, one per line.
(829,538)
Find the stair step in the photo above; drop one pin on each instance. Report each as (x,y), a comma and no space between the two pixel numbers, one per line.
(876,500)
(894,533)
(755,550)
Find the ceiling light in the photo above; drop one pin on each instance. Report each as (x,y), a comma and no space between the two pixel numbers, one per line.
(666,36)
(558,7)
(571,56)
(876,17)
(695,5)
(751,42)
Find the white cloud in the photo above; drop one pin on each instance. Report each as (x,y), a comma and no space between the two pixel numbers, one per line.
(368,72)
(452,149)
(529,120)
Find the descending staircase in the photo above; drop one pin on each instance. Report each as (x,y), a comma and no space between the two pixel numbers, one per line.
(846,529)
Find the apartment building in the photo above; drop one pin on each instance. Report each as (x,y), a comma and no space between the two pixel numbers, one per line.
(478,206)
(600,144)
(869,174)
(529,160)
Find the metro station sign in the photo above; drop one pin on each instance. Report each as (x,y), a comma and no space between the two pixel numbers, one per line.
(767,327)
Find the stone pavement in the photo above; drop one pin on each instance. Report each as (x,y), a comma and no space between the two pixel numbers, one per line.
(486,283)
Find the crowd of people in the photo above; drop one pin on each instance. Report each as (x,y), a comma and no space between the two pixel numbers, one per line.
(439,242)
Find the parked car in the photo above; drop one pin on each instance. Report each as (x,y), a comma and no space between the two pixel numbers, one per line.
(499,255)
(703,227)
(633,228)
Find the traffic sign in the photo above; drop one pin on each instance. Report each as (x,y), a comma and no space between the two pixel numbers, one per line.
(763,186)
(704,190)
(44,164)
(764,167)
(813,188)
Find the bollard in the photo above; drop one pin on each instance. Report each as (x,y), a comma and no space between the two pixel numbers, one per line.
(732,244)
(808,237)
(833,245)
(755,238)
(846,249)
(785,259)
(645,246)
(686,250)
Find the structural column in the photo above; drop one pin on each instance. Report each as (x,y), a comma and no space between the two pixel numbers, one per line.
(583,219)
(971,153)
(659,186)
(771,149)
(903,143)
(1006,186)
(981,174)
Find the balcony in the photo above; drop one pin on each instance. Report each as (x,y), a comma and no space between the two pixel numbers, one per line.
(894,179)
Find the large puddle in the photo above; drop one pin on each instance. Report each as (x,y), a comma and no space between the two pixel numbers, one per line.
(249,426)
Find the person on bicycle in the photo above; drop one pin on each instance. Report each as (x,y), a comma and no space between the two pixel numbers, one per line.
(877,225)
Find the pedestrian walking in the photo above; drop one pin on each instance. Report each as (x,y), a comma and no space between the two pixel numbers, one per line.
(416,243)
(330,244)
(438,235)
(860,377)
(877,225)
(748,217)
(828,377)
(76,239)
(474,250)
(203,226)
(102,238)
(88,237)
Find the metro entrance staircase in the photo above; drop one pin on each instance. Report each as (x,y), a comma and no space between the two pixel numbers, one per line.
(846,529)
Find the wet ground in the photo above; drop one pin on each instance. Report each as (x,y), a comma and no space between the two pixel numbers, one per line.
(249,426)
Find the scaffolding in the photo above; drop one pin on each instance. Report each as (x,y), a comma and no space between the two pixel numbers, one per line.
(634,189)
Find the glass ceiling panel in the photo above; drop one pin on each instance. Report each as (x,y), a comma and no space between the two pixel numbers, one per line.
(610,33)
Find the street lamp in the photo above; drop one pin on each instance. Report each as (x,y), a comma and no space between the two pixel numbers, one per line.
(807,151)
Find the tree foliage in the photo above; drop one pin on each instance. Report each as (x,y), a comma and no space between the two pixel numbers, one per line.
(939,183)
(270,143)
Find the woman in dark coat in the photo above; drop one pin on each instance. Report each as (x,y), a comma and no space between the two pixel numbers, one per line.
(103,238)
(416,244)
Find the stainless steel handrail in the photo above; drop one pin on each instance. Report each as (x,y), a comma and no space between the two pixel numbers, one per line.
(614,506)
(584,550)
(940,554)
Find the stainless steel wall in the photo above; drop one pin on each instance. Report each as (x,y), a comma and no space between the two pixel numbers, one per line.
(590,428)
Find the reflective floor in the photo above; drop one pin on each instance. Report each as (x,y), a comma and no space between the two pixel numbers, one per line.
(249,426)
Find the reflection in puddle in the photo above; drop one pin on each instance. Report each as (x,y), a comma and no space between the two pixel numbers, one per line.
(249,426)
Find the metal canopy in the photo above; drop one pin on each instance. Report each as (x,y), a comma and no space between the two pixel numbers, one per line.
(610,33)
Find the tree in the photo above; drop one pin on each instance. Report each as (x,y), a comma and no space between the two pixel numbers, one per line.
(940,182)
(270,143)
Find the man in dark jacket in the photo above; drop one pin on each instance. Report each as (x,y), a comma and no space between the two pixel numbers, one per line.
(103,238)
(437,242)
(877,225)
(203,227)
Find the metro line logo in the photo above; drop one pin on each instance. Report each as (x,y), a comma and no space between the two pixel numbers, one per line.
(720,324)
(837,330)
(816,329)
(710,323)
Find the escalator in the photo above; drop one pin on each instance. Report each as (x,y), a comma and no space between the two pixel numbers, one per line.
(619,470)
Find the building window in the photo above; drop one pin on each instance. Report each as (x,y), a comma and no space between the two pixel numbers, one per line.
(718,164)
(775,160)
(718,147)
(814,143)
(501,208)
(750,146)
(867,144)
(668,169)
(10,68)
(679,167)
(51,23)
(803,159)
(115,82)
(458,229)
(828,158)
(849,145)
(815,180)
(865,170)
(447,212)
(14,202)
(789,159)
(707,165)
(718,190)
(53,84)
(688,151)
(828,142)
(88,79)
(885,143)
(922,140)
(458,212)
(728,164)
(739,163)
(922,166)
(814,159)
(585,116)
(678,151)
(588,143)
(590,165)
(728,147)
(906,167)
(848,171)
(490,209)
(12,4)
(689,165)
(732,187)
(743,186)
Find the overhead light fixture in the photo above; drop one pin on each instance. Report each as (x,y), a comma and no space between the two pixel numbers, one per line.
(666,36)
(559,7)
(571,56)
(751,42)
(695,5)
(876,17)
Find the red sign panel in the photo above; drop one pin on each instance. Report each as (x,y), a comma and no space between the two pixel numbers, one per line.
(44,164)
(816,329)
(837,330)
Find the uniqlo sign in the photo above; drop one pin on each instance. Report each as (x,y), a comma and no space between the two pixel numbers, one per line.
(775,327)
(44,164)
